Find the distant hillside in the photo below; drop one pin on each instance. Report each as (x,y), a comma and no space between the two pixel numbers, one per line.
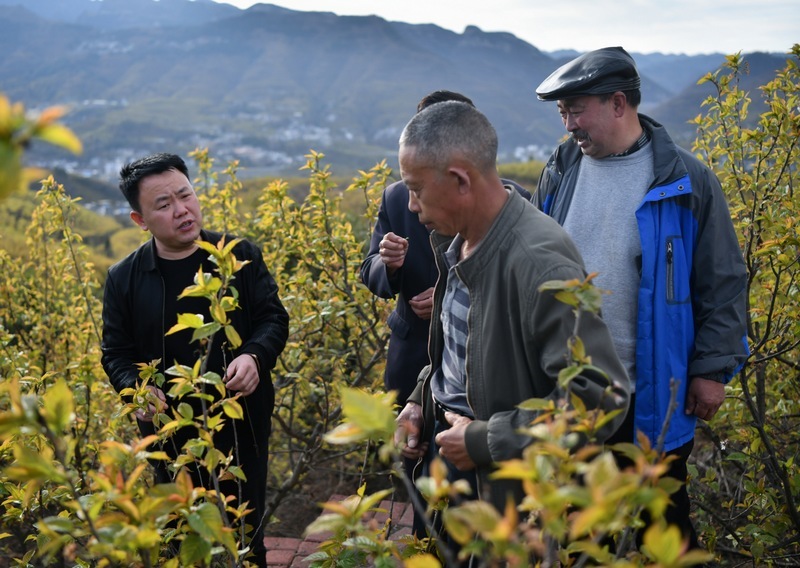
(685,105)
(267,84)
(100,233)
(676,72)
(87,188)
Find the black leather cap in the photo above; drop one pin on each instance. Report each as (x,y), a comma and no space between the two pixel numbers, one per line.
(598,72)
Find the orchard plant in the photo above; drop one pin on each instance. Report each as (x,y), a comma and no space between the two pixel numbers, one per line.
(76,487)
(747,482)
(579,508)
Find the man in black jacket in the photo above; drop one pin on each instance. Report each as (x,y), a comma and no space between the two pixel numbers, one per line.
(141,304)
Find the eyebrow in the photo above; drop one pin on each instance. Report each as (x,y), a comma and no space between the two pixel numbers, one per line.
(167,196)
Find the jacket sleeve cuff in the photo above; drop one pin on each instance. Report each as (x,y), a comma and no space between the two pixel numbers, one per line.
(477,441)
(416,394)
(716,377)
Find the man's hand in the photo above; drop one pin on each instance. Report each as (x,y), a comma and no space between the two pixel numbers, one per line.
(242,374)
(157,403)
(422,304)
(452,442)
(409,430)
(393,250)
(704,397)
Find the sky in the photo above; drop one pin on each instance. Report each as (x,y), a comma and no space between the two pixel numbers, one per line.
(643,26)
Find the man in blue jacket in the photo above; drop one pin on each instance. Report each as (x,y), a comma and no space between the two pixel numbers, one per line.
(653,222)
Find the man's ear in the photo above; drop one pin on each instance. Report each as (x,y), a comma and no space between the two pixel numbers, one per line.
(620,102)
(463,178)
(139,220)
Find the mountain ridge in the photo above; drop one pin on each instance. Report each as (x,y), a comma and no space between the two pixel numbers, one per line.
(266,84)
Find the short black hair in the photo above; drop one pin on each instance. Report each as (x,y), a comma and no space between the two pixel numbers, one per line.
(131,175)
(442,96)
(633,96)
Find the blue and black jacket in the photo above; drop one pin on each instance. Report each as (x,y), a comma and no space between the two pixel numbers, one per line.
(693,281)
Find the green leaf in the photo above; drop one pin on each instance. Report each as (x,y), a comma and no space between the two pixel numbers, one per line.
(737,456)
(34,466)
(536,404)
(206,331)
(457,525)
(326,522)
(578,349)
(195,550)
(568,297)
(566,374)
(191,320)
(663,545)
(59,524)
(422,561)
(206,522)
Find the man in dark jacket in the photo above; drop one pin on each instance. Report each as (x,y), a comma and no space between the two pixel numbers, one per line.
(400,263)
(497,338)
(141,304)
(653,222)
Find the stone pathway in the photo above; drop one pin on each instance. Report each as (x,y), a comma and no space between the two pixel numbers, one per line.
(290,552)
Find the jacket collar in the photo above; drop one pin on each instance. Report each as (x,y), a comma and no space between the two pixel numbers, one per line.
(491,243)
(149,256)
(667,165)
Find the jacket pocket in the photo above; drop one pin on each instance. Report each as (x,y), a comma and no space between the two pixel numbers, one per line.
(399,326)
(677,271)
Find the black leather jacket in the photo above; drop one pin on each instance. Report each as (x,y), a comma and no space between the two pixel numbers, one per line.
(134,322)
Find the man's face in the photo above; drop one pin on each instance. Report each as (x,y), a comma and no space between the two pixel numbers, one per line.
(171,212)
(591,123)
(432,195)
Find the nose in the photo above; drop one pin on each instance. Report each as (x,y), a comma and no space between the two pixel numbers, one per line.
(180,209)
(570,123)
(413,203)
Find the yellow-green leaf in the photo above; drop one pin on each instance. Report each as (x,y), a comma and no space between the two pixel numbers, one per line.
(58,407)
(422,561)
(233,409)
(233,336)
(60,135)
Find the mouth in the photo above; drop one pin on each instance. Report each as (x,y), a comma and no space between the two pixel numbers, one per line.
(581,137)
(186,225)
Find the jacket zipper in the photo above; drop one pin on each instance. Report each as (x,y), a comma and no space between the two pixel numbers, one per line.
(670,283)
(163,325)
